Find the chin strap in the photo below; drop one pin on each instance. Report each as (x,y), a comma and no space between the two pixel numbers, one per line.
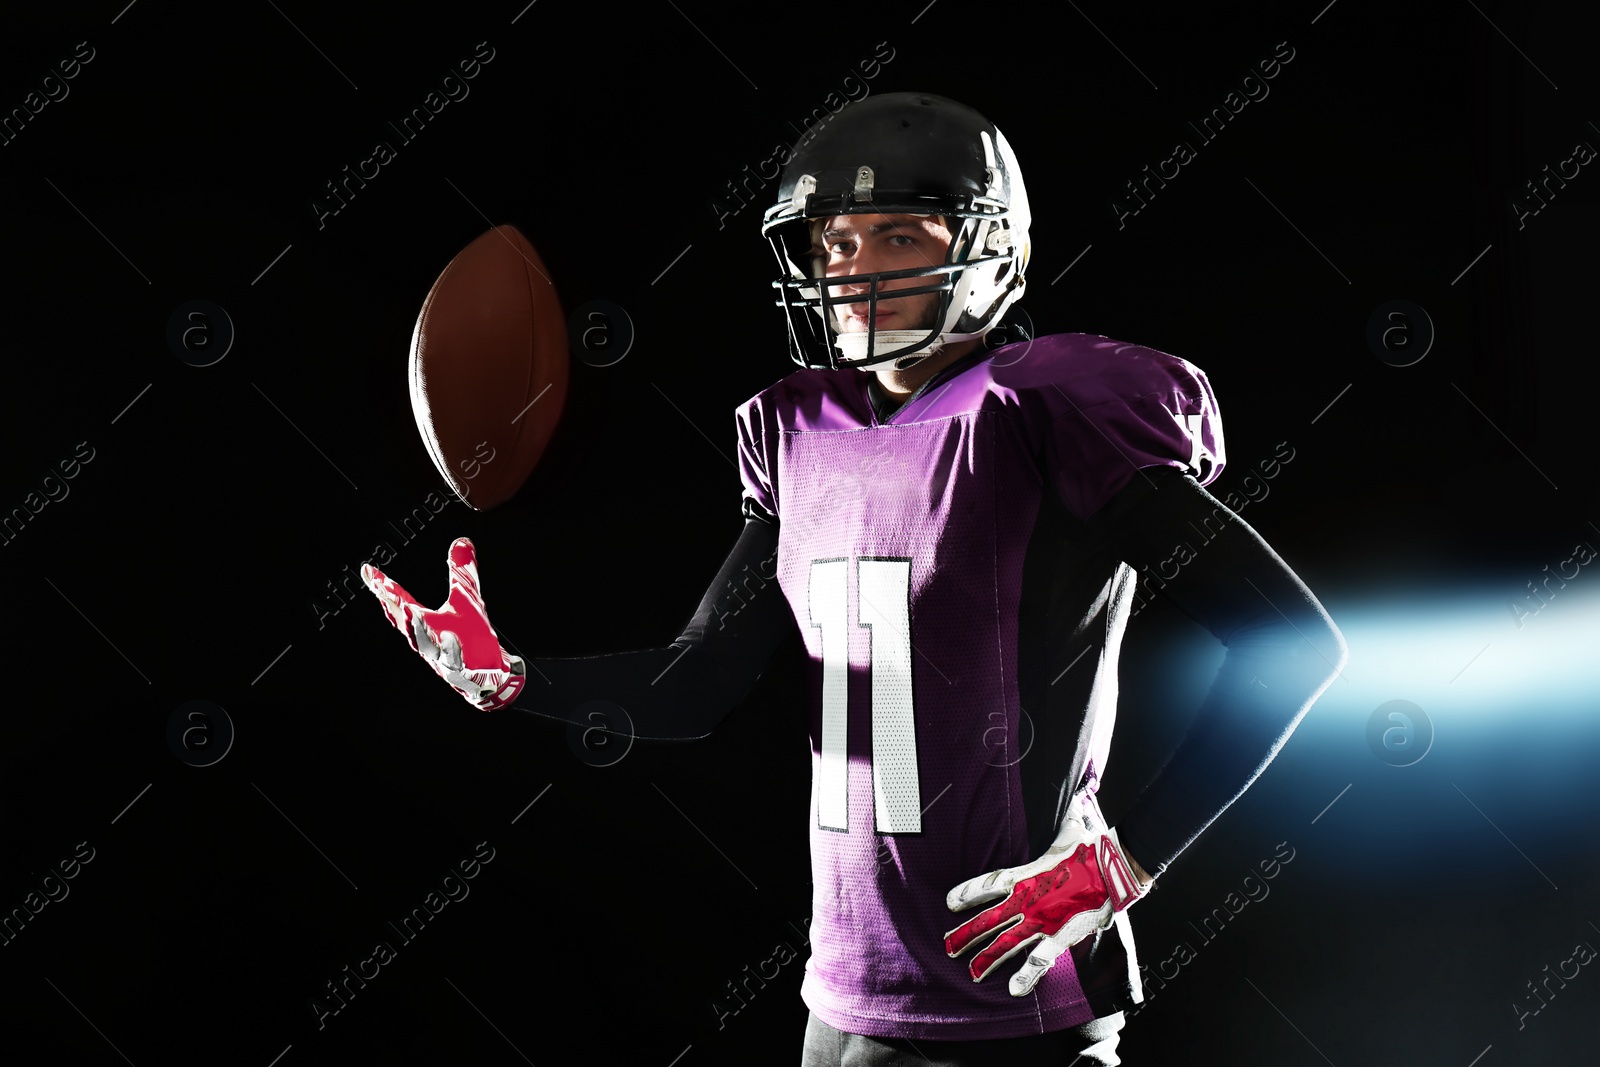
(901,346)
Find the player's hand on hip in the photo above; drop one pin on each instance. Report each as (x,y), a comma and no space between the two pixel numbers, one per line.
(456,640)
(1074,889)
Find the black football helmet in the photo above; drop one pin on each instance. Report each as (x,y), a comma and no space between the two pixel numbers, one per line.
(900,153)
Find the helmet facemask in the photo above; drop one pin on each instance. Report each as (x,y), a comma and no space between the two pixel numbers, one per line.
(970,284)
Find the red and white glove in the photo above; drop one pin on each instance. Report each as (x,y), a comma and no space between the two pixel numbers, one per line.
(1074,889)
(455,640)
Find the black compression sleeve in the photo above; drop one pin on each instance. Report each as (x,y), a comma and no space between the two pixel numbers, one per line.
(1282,651)
(683,690)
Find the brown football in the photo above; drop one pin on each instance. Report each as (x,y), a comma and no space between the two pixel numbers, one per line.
(489,367)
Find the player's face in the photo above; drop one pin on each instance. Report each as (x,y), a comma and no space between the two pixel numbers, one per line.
(864,244)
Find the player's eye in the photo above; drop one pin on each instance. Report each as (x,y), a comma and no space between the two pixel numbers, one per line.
(841,248)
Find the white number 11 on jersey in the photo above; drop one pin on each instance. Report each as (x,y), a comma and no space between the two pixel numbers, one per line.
(883,589)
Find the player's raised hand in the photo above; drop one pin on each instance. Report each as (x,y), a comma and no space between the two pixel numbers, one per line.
(1074,889)
(455,640)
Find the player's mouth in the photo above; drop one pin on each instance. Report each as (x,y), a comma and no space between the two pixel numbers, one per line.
(859,320)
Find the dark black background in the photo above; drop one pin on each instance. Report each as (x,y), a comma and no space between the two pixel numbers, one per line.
(185,560)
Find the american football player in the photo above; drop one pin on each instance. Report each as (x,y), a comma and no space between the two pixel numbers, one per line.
(954,516)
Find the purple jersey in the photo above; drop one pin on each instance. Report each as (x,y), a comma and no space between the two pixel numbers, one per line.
(962,643)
